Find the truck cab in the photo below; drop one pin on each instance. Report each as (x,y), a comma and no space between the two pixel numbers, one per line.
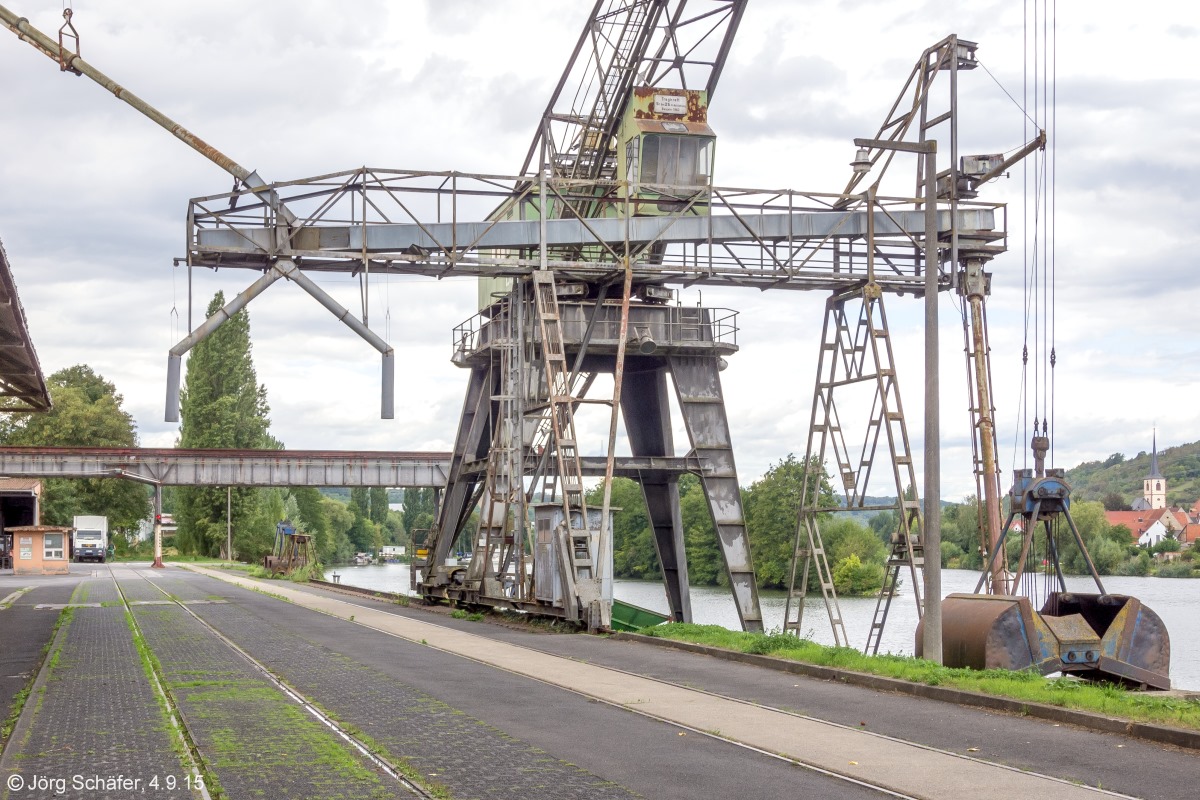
(90,542)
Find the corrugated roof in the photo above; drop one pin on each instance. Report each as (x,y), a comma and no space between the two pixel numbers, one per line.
(21,380)
(19,484)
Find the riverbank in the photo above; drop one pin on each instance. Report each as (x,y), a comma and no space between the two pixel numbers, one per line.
(1176,709)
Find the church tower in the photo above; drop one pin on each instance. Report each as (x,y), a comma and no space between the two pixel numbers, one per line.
(1154,487)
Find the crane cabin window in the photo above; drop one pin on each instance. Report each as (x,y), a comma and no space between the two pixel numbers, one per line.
(676,160)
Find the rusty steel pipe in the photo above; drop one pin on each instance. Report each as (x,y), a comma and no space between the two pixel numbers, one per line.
(987,441)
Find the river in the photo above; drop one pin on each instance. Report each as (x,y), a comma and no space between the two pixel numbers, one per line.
(1177,601)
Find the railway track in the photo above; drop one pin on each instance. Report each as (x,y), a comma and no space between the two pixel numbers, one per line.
(384,766)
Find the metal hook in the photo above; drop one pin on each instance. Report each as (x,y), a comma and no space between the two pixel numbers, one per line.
(67,31)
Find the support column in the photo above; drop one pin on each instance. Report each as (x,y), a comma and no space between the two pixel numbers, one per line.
(698,386)
(647,413)
(474,435)
(158,564)
(932,539)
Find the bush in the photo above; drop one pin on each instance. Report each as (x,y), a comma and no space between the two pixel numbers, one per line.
(1138,565)
(952,555)
(1176,569)
(852,577)
(312,571)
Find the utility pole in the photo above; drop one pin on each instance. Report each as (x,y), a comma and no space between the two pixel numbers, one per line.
(158,562)
(932,630)
(229,523)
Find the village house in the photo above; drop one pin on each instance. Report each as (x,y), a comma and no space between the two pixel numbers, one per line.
(1150,521)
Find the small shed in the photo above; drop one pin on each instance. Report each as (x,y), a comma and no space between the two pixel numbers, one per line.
(41,550)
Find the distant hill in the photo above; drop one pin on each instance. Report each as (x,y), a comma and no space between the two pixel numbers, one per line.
(1093,480)
(342,494)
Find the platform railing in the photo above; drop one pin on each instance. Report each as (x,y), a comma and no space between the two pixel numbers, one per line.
(450,223)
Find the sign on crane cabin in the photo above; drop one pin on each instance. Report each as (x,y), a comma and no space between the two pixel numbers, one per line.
(666,151)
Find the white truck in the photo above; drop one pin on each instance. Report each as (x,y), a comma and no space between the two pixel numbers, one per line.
(91,539)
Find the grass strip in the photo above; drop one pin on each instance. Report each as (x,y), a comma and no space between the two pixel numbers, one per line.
(1107,699)
(189,756)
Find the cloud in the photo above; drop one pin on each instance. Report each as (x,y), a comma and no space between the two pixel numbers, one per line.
(93,198)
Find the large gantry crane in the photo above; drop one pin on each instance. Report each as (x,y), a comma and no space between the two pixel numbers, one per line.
(576,255)
(615,203)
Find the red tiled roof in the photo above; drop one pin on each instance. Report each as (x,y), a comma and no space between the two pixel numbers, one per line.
(1136,521)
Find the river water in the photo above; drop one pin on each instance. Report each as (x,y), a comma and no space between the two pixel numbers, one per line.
(1177,601)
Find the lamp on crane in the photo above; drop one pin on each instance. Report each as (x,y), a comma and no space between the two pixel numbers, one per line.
(862,161)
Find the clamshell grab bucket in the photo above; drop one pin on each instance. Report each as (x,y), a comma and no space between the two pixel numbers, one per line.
(1098,637)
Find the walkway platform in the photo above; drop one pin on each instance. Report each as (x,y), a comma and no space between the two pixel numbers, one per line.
(468,709)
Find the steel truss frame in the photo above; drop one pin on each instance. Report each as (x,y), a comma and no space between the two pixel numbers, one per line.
(909,125)
(368,220)
(678,44)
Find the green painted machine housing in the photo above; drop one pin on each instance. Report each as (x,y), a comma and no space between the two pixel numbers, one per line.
(665,151)
(665,155)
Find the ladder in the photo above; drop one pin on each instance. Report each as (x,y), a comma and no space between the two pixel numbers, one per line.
(498,561)
(575,537)
(627,38)
(853,354)
(907,551)
(907,548)
(810,551)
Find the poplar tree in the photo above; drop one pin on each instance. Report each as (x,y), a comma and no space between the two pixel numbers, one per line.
(222,406)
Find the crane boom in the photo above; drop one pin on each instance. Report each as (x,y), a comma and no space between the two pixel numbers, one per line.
(73,62)
(662,43)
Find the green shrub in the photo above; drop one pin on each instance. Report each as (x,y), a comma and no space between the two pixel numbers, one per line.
(1175,569)
(852,577)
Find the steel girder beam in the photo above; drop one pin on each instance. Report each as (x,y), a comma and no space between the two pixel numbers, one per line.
(647,415)
(702,404)
(407,238)
(21,377)
(470,445)
(171,467)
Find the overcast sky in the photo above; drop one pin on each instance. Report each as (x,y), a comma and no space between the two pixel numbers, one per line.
(93,198)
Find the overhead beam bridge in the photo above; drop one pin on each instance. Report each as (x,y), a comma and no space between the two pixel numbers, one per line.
(282,468)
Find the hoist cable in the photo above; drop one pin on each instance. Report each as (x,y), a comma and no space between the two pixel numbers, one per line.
(1023,415)
(1007,94)
(1053,155)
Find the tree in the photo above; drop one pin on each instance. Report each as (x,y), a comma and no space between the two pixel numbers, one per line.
(960,527)
(87,412)
(634,555)
(339,548)
(1113,501)
(377,500)
(222,406)
(706,565)
(418,509)
(772,506)
(852,577)
(313,520)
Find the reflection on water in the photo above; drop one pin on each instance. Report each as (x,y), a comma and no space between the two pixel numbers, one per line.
(1176,601)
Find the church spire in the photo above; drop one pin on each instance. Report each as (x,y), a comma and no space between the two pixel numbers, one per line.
(1154,473)
(1154,486)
